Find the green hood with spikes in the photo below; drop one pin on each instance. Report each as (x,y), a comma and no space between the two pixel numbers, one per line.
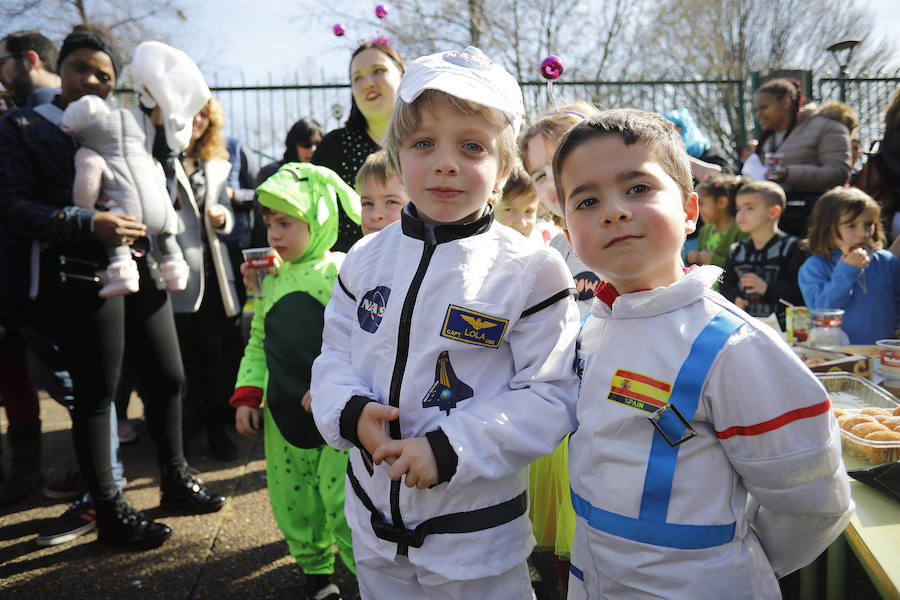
(311,193)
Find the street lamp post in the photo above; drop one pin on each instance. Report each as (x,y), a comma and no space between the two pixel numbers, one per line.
(842,51)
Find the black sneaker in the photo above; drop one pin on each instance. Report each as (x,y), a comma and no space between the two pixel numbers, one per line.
(118,524)
(182,491)
(321,587)
(79,518)
(69,486)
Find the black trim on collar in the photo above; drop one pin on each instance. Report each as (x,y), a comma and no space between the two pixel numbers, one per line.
(551,300)
(416,228)
(344,287)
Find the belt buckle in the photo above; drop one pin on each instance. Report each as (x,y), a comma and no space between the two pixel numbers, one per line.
(398,535)
(689,432)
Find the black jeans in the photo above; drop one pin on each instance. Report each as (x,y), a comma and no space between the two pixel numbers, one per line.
(207,339)
(92,334)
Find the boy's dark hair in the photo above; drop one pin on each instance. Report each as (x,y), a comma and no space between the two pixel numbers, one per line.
(518,183)
(266,211)
(301,133)
(654,130)
(837,205)
(722,185)
(20,42)
(770,191)
(357,120)
(375,165)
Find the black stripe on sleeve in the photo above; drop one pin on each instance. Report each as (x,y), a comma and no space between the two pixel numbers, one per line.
(551,300)
(344,287)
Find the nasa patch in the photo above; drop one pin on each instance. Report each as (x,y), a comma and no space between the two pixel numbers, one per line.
(371,308)
(469,61)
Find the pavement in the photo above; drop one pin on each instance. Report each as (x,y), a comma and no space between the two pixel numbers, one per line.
(238,552)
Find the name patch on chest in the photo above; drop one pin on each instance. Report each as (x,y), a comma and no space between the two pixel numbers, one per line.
(470,327)
(639,391)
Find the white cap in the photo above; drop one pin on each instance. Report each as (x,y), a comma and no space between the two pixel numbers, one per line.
(167,77)
(467,74)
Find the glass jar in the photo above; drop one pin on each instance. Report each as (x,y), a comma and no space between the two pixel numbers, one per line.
(826,327)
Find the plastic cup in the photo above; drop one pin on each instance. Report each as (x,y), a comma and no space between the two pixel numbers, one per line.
(890,359)
(773,160)
(261,262)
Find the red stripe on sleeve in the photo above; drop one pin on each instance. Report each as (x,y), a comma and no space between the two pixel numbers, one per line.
(780,421)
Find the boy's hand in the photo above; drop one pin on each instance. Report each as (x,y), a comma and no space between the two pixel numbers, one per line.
(741,302)
(306,403)
(246,421)
(692,258)
(412,457)
(370,429)
(857,257)
(249,282)
(753,284)
(705,256)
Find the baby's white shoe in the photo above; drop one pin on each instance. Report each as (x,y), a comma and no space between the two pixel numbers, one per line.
(123,279)
(175,272)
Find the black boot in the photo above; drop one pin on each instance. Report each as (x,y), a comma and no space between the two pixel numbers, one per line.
(25,462)
(120,525)
(182,491)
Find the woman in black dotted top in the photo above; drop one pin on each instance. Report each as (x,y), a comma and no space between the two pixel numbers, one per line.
(375,71)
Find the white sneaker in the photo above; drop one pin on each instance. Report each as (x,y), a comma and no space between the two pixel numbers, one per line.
(123,279)
(175,272)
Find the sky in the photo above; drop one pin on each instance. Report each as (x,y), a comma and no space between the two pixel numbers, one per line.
(289,43)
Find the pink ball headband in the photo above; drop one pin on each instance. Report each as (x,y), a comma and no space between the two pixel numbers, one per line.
(376,40)
(381,11)
(550,69)
(564,111)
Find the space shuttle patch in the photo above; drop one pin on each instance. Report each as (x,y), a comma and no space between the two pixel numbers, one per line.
(447,389)
(470,327)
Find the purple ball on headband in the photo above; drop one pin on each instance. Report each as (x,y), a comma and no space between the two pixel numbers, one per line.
(339,30)
(381,11)
(551,67)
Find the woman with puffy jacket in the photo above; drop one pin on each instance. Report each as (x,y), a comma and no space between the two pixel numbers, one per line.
(803,151)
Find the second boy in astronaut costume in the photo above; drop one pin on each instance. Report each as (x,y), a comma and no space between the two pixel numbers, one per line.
(465,327)
(707,460)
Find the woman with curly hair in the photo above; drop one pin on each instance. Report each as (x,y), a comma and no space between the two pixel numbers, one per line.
(207,313)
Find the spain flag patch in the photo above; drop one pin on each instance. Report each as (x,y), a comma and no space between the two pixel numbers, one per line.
(639,391)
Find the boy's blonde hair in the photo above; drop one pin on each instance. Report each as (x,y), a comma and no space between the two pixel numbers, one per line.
(376,165)
(406,117)
(654,130)
(769,191)
(836,205)
(519,183)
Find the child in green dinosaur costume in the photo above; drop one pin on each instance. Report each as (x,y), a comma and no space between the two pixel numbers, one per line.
(305,476)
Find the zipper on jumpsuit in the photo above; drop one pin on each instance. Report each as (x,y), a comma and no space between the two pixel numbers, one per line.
(409,303)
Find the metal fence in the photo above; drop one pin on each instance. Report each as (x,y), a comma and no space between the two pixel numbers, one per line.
(260,115)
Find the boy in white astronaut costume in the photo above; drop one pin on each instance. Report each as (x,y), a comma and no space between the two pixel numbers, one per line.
(458,335)
(707,458)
